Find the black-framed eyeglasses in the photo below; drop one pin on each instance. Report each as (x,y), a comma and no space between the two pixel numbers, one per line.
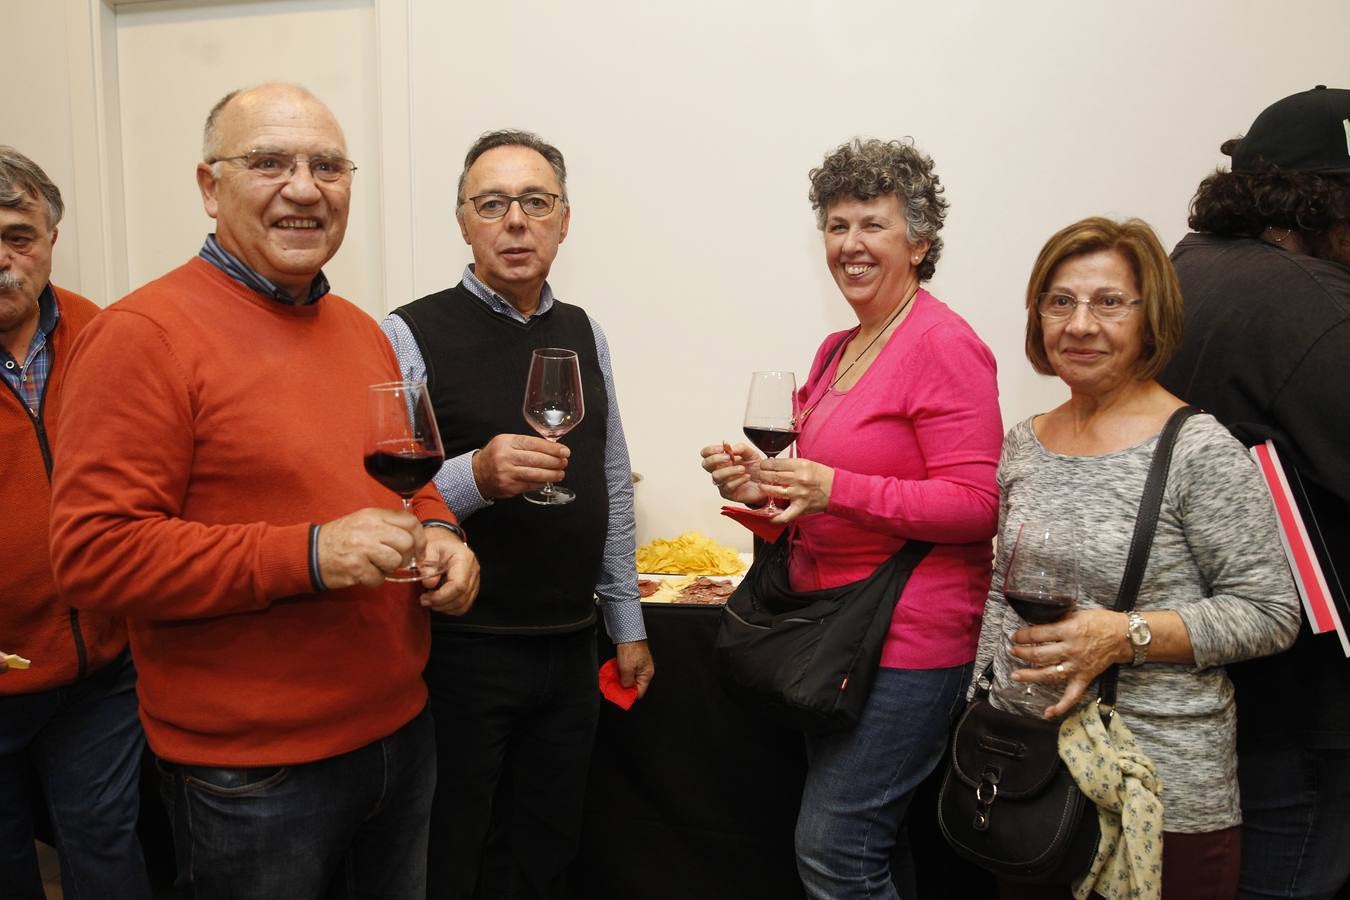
(1106,306)
(274,166)
(535,204)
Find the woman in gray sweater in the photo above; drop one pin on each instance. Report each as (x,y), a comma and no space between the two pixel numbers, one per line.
(1104,314)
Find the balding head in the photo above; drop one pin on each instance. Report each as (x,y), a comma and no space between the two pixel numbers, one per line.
(238,101)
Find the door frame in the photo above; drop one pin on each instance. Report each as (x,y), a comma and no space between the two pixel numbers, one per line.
(96,137)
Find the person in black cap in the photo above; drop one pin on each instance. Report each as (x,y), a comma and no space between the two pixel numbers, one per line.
(1266,280)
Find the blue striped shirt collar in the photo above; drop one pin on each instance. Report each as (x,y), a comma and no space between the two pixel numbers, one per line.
(228,263)
(500,304)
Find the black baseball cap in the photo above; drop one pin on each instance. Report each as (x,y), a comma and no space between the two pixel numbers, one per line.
(1307,132)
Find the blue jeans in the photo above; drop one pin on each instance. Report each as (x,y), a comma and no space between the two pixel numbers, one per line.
(353,825)
(859,784)
(82,742)
(1295,822)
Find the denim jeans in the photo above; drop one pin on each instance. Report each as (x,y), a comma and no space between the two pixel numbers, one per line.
(353,825)
(1295,822)
(82,742)
(859,784)
(515,724)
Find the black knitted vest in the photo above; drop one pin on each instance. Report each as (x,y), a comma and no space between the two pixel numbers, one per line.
(539,563)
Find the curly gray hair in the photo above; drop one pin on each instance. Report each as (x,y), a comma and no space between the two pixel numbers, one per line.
(21,179)
(871,168)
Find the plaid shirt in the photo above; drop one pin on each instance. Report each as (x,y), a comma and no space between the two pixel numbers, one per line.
(28,377)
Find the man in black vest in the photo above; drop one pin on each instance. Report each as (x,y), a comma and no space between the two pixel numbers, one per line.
(513,683)
(1266,277)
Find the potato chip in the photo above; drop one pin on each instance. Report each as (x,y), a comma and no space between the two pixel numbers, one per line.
(15,661)
(691,553)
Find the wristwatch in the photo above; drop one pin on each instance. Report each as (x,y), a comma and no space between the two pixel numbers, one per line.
(1140,635)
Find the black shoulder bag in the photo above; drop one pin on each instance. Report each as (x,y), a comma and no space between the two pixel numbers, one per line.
(1007,802)
(808,659)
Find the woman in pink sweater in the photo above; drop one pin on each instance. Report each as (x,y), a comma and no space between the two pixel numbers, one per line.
(899,439)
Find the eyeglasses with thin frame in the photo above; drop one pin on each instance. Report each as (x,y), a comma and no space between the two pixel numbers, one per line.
(535,204)
(1107,306)
(274,166)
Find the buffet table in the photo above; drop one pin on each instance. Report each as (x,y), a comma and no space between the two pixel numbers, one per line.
(690,796)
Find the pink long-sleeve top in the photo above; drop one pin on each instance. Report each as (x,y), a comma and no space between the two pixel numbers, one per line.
(914,446)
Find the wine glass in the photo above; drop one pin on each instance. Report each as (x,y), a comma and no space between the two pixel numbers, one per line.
(770,417)
(1041,585)
(553,406)
(403,451)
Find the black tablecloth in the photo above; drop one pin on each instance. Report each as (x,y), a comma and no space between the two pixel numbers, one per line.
(690,796)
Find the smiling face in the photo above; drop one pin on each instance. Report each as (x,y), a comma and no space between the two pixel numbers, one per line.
(868,251)
(1091,356)
(513,254)
(26,241)
(287,231)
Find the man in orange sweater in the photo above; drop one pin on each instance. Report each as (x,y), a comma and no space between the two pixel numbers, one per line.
(67,695)
(210,488)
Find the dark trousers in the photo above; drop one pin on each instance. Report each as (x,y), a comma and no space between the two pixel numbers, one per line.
(354,825)
(1195,867)
(1295,823)
(83,743)
(515,723)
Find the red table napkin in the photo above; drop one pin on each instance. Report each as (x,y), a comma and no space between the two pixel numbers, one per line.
(612,688)
(756,520)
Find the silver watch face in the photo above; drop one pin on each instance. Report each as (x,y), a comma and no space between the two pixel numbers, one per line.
(1140,633)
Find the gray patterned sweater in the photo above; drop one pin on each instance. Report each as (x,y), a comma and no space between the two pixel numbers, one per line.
(1216,561)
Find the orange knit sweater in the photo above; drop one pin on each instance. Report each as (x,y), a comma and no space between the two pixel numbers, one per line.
(214,425)
(63,643)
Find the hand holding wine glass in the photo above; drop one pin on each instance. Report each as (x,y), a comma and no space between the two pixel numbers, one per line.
(770,417)
(403,451)
(1041,585)
(553,406)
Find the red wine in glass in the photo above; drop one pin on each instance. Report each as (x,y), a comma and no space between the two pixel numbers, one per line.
(771,441)
(403,451)
(770,417)
(402,467)
(1038,608)
(553,406)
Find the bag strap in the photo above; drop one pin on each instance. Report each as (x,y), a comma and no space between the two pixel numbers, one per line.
(1141,544)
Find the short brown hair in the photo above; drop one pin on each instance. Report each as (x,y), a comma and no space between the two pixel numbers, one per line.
(1139,246)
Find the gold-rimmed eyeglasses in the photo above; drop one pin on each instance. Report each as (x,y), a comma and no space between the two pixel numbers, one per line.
(1106,306)
(274,166)
(535,204)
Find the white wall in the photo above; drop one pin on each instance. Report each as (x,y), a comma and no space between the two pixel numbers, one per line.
(35,109)
(689,127)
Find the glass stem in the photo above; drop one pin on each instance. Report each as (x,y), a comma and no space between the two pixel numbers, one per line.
(407,507)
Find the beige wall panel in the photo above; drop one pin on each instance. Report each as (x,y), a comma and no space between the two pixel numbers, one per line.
(36,110)
(689,128)
(174,60)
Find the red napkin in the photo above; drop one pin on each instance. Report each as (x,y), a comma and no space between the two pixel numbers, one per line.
(756,520)
(612,688)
